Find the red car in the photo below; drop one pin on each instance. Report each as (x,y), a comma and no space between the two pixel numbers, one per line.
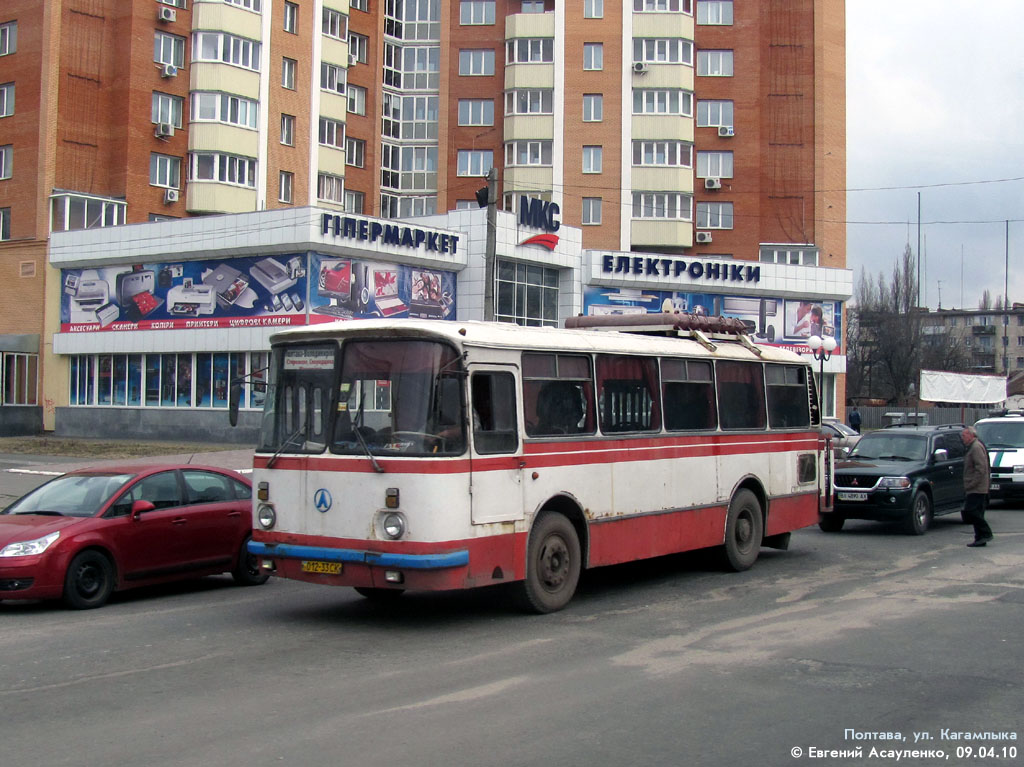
(86,533)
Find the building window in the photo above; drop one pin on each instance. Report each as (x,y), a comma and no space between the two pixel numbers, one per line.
(225,108)
(6,161)
(593,107)
(676,154)
(523,153)
(662,205)
(476,63)
(355,152)
(476,12)
(714,114)
(662,50)
(593,9)
(164,171)
(529,102)
(540,50)
(360,5)
(359,46)
(475,162)
(332,78)
(249,5)
(714,12)
(332,133)
(5,223)
(335,24)
(662,102)
(714,164)
(330,188)
(714,63)
(167,109)
(8,38)
(169,49)
(714,215)
(288,67)
(592,159)
(794,255)
(227,49)
(20,378)
(69,212)
(356,99)
(593,56)
(591,211)
(526,294)
(531,6)
(408,168)
(285,182)
(476,111)
(288,130)
(223,168)
(355,202)
(291,18)
(662,6)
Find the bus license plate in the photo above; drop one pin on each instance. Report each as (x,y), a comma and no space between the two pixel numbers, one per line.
(321,568)
(853,496)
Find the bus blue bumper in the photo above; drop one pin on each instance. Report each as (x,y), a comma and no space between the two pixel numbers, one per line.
(380,559)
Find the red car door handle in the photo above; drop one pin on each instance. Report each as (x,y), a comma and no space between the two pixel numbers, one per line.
(234,513)
(179,521)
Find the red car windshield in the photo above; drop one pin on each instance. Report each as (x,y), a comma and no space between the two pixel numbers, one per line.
(73,495)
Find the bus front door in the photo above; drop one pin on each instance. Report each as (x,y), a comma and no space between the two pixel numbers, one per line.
(496,460)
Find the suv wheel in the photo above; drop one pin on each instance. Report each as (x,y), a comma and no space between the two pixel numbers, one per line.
(920,515)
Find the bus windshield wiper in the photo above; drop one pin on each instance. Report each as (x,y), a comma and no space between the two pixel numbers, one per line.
(362,440)
(284,445)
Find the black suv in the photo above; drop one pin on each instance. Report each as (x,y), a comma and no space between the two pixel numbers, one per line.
(906,473)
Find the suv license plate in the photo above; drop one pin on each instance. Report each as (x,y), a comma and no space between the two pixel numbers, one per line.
(853,496)
(322,568)
(994,486)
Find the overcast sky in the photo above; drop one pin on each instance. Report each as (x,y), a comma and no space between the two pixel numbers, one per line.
(935,104)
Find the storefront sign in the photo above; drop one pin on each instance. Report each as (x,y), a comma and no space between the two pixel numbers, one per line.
(677,268)
(539,214)
(372,231)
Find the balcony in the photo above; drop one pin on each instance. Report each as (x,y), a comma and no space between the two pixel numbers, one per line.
(984,330)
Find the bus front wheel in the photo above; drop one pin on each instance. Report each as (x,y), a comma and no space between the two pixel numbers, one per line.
(553,563)
(744,526)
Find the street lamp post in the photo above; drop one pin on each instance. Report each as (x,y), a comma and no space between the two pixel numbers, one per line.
(822,349)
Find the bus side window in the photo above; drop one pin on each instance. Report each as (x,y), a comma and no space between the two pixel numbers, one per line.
(688,394)
(740,395)
(495,428)
(788,405)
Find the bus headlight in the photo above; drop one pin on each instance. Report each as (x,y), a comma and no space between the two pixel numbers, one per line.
(394,526)
(266,516)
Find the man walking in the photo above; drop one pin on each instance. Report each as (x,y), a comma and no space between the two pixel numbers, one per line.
(976,476)
(855,420)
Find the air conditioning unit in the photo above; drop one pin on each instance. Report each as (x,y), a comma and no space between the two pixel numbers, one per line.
(704,237)
(726,131)
(168,70)
(167,14)
(164,130)
(170,195)
(712,183)
(639,67)
(353,59)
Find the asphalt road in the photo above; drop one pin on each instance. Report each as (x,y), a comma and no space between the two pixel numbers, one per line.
(668,662)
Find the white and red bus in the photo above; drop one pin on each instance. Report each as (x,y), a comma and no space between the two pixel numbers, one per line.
(406,454)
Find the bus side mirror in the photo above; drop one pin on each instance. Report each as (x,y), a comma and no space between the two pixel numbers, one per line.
(234,398)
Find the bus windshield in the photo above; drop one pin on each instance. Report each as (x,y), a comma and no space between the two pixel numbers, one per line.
(399,397)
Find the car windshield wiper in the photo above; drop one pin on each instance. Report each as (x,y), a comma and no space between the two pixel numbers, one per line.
(284,445)
(894,458)
(40,513)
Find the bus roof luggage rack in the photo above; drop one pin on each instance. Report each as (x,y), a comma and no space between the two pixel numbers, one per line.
(695,326)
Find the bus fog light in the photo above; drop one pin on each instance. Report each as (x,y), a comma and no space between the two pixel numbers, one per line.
(268,564)
(394,526)
(266,516)
(394,576)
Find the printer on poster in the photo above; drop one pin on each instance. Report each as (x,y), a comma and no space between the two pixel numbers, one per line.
(254,291)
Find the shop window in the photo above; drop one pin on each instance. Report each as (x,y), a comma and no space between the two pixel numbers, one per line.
(20,374)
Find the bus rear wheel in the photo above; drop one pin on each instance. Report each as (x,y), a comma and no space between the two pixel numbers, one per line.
(553,564)
(744,527)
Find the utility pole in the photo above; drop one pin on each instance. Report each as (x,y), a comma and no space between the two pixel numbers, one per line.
(1006,305)
(490,255)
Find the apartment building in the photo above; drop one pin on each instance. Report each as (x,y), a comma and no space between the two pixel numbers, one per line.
(982,340)
(708,131)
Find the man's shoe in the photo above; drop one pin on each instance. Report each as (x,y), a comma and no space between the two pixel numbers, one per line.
(980,542)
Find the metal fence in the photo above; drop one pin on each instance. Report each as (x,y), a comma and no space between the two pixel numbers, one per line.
(881,416)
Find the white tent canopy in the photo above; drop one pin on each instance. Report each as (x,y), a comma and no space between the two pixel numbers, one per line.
(938,386)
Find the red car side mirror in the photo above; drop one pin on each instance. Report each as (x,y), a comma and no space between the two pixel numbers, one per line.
(138,507)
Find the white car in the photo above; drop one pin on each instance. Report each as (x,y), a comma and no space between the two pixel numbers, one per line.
(843,437)
(1004,438)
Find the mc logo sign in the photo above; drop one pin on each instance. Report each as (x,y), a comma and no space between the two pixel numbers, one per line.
(538,214)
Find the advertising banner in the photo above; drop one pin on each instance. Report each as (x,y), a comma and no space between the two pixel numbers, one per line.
(783,322)
(224,293)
